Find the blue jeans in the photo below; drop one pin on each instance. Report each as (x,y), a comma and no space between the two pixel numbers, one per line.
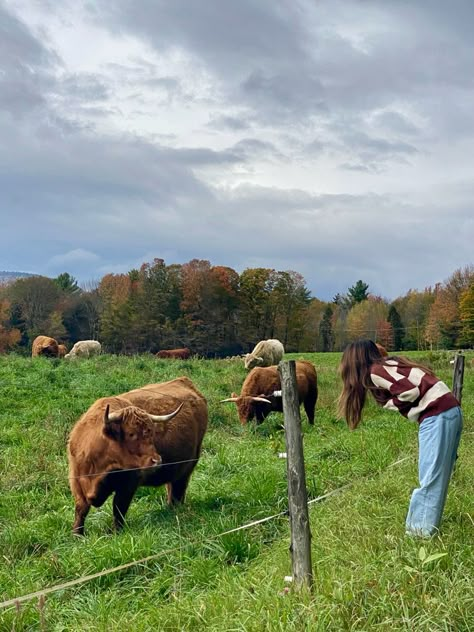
(438,440)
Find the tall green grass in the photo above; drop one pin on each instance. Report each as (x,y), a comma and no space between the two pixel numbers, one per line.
(368,574)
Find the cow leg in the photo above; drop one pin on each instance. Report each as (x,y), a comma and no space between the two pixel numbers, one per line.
(122,499)
(82,509)
(177,490)
(309,406)
(82,506)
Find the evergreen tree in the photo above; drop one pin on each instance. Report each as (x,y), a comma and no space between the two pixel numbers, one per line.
(358,292)
(397,327)
(67,283)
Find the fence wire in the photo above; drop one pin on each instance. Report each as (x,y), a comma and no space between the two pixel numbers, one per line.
(40,594)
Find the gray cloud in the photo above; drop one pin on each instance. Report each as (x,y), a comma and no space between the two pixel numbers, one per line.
(25,64)
(225,36)
(234,123)
(332,139)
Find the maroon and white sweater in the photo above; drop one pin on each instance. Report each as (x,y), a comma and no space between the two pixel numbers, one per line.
(411,391)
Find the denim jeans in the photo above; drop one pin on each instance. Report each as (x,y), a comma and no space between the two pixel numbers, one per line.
(438,440)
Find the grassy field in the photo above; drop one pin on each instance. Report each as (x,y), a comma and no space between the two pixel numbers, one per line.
(368,574)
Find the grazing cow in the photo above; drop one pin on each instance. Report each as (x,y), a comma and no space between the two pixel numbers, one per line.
(84,349)
(174,354)
(261,392)
(136,430)
(266,353)
(62,351)
(44,346)
(382,350)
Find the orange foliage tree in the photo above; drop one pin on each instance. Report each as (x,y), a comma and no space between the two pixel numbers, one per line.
(9,337)
(466,315)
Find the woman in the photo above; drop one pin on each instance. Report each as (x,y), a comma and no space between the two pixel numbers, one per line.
(415,392)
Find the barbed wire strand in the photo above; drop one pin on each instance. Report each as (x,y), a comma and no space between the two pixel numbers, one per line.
(16,601)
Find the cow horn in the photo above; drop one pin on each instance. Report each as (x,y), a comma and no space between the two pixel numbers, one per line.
(230,399)
(261,399)
(111,417)
(166,417)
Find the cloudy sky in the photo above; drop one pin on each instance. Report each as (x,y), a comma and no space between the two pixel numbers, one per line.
(334,138)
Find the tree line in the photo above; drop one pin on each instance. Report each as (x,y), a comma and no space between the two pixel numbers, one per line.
(215,311)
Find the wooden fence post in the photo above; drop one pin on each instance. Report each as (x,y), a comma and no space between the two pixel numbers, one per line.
(458,376)
(297,495)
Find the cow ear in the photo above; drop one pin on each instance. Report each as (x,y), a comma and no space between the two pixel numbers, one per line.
(112,425)
(234,395)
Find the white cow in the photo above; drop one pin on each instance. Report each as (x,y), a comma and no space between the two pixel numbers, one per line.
(266,353)
(84,349)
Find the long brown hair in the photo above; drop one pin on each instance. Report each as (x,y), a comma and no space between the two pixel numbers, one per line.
(355,366)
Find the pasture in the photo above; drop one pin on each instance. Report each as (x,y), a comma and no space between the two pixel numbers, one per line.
(368,574)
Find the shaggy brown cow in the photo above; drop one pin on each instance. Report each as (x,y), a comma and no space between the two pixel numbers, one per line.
(174,354)
(258,398)
(44,346)
(382,350)
(62,350)
(125,432)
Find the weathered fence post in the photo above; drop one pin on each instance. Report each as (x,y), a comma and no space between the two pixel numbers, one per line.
(458,376)
(297,495)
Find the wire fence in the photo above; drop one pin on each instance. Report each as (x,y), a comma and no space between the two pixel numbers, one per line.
(40,594)
(16,601)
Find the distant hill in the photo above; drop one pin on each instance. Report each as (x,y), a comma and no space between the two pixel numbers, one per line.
(6,276)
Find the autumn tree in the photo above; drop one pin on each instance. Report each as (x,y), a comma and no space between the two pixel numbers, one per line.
(444,325)
(414,309)
(290,297)
(34,299)
(384,334)
(81,316)
(150,293)
(257,310)
(114,291)
(225,303)
(368,319)
(9,336)
(466,315)
(455,287)
(341,309)
(196,304)
(312,316)
(55,326)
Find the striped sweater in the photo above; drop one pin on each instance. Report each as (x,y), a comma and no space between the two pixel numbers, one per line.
(411,391)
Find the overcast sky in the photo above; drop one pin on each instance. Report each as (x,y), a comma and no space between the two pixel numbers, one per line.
(331,138)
